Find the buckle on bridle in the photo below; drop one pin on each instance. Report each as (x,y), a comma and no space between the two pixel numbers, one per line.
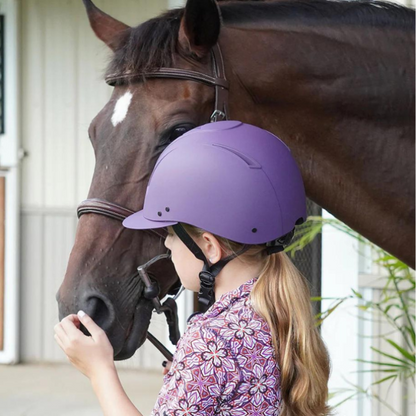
(217,114)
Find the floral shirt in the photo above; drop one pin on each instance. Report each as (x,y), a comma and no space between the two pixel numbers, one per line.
(224,364)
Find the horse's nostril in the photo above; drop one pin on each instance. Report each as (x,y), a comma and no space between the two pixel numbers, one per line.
(100,310)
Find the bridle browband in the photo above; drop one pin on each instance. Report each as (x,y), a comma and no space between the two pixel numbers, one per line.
(217,80)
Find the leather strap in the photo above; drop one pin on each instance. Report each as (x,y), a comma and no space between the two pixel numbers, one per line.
(217,80)
(177,73)
(221,91)
(206,295)
(166,353)
(100,206)
(108,209)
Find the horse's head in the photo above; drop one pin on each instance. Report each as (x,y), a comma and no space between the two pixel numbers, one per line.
(128,134)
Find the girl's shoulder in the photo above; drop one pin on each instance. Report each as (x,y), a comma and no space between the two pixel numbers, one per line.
(240,326)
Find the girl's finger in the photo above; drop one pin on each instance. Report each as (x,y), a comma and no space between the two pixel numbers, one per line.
(59,330)
(74,319)
(59,342)
(70,328)
(166,365)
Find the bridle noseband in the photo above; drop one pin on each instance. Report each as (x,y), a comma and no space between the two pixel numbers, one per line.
(217,80)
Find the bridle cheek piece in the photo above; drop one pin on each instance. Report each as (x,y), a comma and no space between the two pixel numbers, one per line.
(119,213)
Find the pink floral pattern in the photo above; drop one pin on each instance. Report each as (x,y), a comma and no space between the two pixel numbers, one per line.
(224,364)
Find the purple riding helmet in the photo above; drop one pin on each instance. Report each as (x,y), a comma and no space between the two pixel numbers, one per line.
(231,179)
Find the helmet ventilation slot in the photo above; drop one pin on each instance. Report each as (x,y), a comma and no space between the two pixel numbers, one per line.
(253,164)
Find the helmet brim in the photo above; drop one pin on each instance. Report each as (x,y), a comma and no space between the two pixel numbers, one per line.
(138,221)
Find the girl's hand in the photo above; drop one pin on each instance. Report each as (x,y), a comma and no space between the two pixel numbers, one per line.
(166,365)
(90,355)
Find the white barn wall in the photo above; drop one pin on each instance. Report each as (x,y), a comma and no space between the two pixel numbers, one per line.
(62,91)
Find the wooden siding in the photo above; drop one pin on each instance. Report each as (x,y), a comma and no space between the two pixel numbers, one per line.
(62,91)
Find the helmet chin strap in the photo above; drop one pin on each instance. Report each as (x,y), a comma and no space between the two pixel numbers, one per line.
(206,294)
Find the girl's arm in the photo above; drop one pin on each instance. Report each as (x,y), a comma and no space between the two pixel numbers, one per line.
(93,356)
(111,395)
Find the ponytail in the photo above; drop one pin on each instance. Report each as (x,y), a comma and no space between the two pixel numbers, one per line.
(281,296)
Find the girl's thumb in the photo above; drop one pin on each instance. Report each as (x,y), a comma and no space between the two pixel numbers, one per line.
(92,327)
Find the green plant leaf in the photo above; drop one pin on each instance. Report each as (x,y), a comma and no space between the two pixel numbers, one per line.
(411,333)
(357,294)
(380,363)
(405,353)
(345,400)
(375,370)
(389,356)
(384,379)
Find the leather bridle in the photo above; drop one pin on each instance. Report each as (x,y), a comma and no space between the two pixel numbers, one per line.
(217,80)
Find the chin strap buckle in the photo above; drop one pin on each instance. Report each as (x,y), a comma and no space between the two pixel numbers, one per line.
(206,291)
(274,249)
(278,245)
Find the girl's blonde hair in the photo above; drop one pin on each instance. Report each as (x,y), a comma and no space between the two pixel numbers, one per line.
(281,296)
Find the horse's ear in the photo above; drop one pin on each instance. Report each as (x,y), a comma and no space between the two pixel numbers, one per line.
(106,28)
(200,27)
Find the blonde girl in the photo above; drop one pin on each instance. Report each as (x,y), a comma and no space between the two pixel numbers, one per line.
(230,195)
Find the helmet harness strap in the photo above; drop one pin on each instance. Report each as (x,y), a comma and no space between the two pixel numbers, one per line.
(206,295)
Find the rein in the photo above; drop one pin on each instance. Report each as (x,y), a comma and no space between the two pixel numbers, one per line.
(117,212)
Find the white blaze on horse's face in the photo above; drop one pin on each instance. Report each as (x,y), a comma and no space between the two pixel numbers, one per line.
(121,108)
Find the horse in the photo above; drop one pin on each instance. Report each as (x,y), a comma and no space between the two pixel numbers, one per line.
(334,80)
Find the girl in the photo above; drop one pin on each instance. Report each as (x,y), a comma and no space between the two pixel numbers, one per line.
(231,195)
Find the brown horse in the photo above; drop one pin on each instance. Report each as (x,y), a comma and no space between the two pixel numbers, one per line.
(334,80)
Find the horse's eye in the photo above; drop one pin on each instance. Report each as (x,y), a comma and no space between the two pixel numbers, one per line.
(178,131)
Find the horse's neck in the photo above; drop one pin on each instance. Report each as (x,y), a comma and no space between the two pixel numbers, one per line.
(344,106)
(334,68)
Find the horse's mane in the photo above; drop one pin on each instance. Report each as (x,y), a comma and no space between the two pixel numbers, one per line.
(152,44)
(361,12)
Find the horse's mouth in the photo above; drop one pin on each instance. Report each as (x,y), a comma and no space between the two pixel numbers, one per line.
(137,331)
(130,328)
